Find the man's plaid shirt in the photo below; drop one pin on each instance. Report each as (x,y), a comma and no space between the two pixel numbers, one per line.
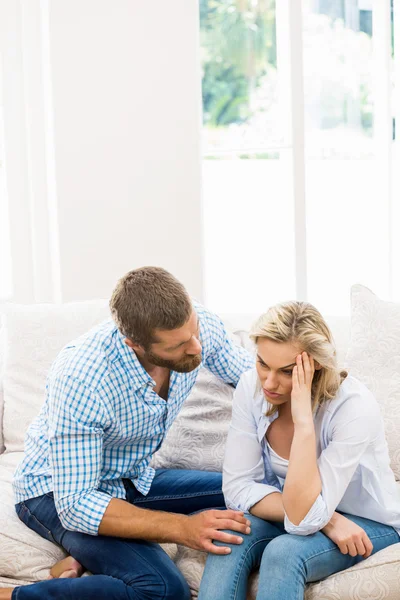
(101,420)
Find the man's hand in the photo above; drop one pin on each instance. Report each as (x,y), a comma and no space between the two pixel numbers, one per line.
(201,529)
(349,537)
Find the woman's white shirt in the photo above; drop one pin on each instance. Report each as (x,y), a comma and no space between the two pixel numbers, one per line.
(352,456)
(279,465)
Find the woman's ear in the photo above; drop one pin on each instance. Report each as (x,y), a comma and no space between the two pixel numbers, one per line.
(317,366)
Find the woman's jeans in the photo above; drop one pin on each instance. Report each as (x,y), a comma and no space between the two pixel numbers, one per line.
(286,561)
(122,568)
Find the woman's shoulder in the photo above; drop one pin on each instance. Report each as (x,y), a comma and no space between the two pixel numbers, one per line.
(247,392)
(248,379)
(353,398)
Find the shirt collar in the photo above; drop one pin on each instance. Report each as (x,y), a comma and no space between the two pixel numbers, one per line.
(136,371)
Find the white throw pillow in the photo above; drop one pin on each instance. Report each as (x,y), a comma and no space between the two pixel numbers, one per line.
(197,437)
(374,358)
(34,335)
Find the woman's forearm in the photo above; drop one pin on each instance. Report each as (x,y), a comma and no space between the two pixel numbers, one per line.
(303,482)
(269,508)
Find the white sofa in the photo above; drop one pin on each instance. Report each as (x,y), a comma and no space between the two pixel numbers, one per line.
(31,337)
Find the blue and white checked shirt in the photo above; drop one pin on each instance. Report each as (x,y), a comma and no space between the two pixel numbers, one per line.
(102,421)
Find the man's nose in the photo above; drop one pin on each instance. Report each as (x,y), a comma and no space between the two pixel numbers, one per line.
(195,346)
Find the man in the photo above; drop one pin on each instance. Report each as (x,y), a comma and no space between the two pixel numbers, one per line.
(85,481)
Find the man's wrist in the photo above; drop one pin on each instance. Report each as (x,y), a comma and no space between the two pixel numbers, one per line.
(182,526)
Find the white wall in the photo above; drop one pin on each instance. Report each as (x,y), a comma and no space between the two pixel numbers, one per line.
(123,157)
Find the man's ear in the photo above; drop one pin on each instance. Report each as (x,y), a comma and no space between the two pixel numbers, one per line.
(132,345)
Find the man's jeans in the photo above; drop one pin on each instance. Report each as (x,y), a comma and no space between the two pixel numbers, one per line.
(122,568)
(287,562)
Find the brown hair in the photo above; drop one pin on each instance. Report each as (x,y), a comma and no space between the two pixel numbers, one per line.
(146,299)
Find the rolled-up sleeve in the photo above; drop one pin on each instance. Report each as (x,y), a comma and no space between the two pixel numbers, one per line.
(243,473)
(353,428)
(76,428)
(223,358)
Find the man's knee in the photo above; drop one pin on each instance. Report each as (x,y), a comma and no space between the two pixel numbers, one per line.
(177,587)
(168,584)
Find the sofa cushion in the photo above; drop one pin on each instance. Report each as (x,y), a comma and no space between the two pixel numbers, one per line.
(33,337)
(374,358)
(24,555)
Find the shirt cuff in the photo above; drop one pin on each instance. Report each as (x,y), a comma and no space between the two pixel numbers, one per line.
(316,518)
(85,515)
(257,492)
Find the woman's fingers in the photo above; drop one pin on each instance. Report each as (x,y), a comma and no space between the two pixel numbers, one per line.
(308,365)
(352,549)
(368,546)
(300,370)
(295,379)
(360,547)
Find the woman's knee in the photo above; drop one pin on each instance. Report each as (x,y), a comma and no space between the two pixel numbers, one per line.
(283,552)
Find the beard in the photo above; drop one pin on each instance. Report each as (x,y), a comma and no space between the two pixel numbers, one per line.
(183,365)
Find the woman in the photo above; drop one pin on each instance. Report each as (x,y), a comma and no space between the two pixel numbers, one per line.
(306,440)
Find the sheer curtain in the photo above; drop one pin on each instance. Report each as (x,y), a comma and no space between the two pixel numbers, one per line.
(29,248)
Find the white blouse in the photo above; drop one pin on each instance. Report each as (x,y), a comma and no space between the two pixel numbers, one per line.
(352,453)
(279,465)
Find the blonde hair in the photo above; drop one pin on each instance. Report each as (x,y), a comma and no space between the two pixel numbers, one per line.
(302,324)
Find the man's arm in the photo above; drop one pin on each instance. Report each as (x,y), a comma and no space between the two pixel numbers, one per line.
(77,420)
(198,531)
(223,357)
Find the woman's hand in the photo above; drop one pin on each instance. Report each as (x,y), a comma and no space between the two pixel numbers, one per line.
(349,537)
(302,378)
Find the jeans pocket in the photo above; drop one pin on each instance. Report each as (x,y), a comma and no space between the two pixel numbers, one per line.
(32,521)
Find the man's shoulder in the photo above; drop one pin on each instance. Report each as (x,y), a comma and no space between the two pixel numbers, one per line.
(210,322)
(89,357)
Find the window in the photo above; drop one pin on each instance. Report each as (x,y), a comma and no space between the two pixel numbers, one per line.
(298,128)
(248,209)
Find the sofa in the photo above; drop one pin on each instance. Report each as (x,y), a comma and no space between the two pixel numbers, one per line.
(368,345)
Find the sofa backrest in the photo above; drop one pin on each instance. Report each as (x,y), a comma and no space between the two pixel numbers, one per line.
(35,334)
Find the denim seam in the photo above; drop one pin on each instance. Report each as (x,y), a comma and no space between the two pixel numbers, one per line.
(40,523)
(152,566)
(198,494)
(243,560)
(332,549)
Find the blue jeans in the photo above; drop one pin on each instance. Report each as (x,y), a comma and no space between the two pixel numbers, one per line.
(122,568)
(287,562)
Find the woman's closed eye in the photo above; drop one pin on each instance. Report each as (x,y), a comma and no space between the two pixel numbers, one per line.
(285,372)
